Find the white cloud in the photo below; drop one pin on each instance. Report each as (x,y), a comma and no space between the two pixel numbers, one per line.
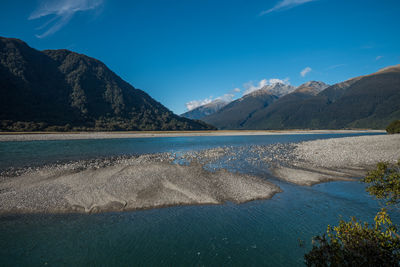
(378,57)
(285,4)
(197,103)
(226,97)
(284,81)
(62,12)
(250,87)
(304,72)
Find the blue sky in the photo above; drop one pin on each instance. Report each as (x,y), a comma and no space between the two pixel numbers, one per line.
(194,50)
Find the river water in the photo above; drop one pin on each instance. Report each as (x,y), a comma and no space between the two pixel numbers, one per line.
(274,232)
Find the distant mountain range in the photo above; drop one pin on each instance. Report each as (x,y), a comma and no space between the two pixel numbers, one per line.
(277,89)
(238,112)
(63,90)
(370,101)
(205,110)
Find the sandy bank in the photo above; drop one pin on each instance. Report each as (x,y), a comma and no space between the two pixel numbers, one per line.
(4,137)
(337,158)
(125,184)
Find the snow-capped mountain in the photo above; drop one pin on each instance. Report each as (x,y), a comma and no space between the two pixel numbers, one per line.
(278,89)
(312,87)
(205,110)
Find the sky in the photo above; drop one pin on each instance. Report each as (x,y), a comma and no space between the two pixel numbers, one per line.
(188,52)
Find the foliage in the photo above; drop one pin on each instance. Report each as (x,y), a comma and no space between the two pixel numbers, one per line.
(355,243)
(384,182)
(393,127)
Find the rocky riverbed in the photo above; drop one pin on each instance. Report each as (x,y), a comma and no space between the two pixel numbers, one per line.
(124,183)
(211,176)
(337,158)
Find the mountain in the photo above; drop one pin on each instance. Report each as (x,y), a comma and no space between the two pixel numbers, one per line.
(205,110)
(271,117)
(311,87)
(236,113)
(239,113)
(278,89)
(370,101)
(63,90)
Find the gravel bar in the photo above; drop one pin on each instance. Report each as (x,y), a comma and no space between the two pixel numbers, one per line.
(338,158)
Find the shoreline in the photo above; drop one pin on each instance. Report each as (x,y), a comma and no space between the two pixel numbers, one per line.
(44,136)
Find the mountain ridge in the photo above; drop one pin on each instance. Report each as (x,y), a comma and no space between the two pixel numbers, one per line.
(368,101)
(64,90)
(248,106)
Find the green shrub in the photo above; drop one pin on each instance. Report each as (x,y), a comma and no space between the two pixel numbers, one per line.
(384,182)
(393,127)
(355,243)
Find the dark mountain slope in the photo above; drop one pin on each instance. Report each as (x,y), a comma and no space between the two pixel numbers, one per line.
(235,114)
(63,90)
(276,115)
(372,101)
(24,96)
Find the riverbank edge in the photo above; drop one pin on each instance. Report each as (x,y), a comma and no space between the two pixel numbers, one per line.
(44,136)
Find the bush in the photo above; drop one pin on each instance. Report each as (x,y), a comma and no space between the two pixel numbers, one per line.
(355,244)
(393,127)
(384,182)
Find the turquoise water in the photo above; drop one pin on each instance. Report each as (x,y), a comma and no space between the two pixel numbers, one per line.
(258,233)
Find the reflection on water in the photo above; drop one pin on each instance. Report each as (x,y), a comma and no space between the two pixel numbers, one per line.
(264,233)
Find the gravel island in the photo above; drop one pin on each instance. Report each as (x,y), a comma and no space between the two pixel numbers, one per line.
(121,184)
(337,158)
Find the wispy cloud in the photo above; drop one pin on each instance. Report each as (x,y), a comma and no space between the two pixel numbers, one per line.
(226,97)
(367,46)
(378,58)
(285,4)
(305,71)
(335,66)
(251,87)
(198,103)
(61,12)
